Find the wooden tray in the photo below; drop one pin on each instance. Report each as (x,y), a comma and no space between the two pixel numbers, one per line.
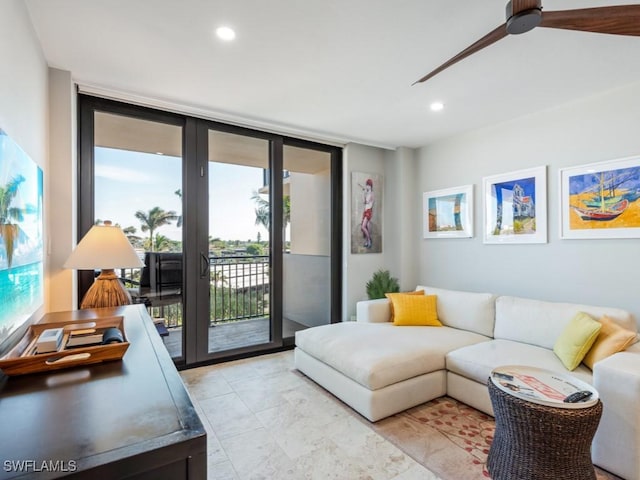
(22,359)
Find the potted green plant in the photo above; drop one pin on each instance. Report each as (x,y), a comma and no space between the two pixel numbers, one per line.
(382,282)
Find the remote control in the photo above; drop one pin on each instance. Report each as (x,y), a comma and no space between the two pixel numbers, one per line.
(578,396)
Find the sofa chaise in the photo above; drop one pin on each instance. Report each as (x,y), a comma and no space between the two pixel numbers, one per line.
(380,369)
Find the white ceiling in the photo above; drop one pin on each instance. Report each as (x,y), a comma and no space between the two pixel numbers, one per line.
(338,70)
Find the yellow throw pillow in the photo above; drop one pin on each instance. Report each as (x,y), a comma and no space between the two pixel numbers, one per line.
(576,339)
(612,339)
(391,295)
(415,310)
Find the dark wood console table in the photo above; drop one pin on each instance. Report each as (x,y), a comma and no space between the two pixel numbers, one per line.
(128,419)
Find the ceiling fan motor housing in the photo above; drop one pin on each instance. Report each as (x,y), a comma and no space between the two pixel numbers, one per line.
(523,21)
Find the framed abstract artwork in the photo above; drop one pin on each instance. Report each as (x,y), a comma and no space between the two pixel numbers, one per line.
(448,213)
(601,200)
(366,212)
(515,207)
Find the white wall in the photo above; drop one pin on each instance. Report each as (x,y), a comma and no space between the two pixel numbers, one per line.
(23,93)
(62,183)
(403,206)
(310,213)
(398,210)
(602,272)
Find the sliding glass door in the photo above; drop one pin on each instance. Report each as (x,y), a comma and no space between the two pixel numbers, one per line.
(136,177)
(307,229)
(238,314)
(235,226)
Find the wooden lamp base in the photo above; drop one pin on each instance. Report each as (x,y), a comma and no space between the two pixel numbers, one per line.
(106,291)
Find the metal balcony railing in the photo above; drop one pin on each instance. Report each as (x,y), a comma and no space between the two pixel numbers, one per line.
(239,287)
(238,290)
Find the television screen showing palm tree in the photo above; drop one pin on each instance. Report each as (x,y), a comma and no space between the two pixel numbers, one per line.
(21,246)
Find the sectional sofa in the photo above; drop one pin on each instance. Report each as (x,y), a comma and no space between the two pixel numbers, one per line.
(380,369)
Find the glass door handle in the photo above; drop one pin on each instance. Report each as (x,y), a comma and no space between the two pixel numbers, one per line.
(204,265)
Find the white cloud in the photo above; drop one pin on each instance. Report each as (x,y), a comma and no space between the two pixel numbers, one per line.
(121,174)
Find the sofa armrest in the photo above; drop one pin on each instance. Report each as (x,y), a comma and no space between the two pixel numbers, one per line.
(634,348)
(373,311)
(617,442)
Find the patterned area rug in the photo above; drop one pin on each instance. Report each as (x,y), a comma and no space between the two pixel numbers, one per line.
(448,437)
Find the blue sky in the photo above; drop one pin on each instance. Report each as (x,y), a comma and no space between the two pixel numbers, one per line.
(590,181)
(129,181)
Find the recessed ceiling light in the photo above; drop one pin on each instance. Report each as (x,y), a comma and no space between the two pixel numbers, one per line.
(436,106)
(225,33)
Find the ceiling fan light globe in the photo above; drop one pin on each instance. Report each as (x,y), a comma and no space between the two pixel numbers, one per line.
(524,21)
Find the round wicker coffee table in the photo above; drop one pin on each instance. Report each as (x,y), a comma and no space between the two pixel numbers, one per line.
(540,442)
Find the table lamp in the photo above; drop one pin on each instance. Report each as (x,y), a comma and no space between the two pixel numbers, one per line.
(105,247)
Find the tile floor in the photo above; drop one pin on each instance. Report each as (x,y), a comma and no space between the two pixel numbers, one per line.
(264,420)
(267,421)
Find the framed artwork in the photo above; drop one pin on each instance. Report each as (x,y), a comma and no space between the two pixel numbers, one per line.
(448,213)
(515,207)
(366,212)
(600,200)
(21,246)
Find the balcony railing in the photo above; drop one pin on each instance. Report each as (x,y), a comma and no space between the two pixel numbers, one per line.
(238,290)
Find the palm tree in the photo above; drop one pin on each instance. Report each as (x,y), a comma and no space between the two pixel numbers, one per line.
(130,233)
(160,243)
(154,219)
(263,211)
(179,194)
(9,232)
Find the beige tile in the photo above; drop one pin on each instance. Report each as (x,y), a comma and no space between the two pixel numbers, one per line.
(240,370)
(215,452)
(296,432)
(302,415)
(228,415)
(432,447)
(261,393)
(207,384)
(330,462)
(382,459)
(416,472)
(275,363)
(265,420)
(193,374)
(317,400)
(256,455)
(221,471)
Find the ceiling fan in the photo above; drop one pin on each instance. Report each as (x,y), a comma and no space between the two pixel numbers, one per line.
(525,15)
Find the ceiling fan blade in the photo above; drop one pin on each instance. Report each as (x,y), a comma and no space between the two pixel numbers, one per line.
(616,20)
(521,5)
(489,39)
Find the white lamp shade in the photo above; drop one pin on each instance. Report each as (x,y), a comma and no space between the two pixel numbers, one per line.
(103,247)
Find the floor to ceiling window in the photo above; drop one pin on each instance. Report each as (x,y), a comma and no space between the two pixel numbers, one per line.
(233,225)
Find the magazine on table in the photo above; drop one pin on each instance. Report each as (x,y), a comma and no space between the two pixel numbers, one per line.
(541,386)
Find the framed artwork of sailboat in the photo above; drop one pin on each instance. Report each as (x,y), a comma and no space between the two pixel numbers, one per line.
(601,200)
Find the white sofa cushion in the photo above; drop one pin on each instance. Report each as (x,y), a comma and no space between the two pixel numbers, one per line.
(374,311)
(616,445)
(380,354)
(540,323)
(476,361)
(470,311)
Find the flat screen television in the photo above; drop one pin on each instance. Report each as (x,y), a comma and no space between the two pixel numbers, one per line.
(21,245)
